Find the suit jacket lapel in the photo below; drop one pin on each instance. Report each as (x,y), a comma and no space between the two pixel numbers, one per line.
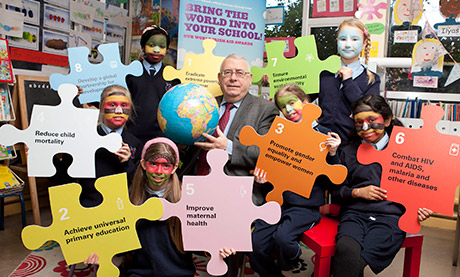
(241,113)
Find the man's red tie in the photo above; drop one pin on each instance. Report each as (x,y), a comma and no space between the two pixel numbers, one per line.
(203,166)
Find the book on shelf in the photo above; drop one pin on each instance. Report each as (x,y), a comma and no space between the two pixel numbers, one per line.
(6,109)
(9,181)
(7,152)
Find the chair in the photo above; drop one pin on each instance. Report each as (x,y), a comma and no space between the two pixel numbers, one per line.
(321,240)
(2,208)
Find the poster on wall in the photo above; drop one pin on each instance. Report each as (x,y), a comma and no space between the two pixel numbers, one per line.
(56,18)
(333,8)
(55,43)
(81,13)
(96,32)
(29,40)
(12,23)
(115,33)
(6,70)
(29,9)
(146,13)
(427,63)
(60,3)
(77,39)
(239,28)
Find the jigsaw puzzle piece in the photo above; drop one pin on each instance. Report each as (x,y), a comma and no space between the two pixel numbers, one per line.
(291,152)
(10,135)
(271,47)
(194,72)
(216,211)
(417,168)
(83,231)
(93,78)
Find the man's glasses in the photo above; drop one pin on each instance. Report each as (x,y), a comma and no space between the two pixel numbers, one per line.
(239,73)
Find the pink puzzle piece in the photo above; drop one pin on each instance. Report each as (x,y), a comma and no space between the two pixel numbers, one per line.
(216,211)
(419,168)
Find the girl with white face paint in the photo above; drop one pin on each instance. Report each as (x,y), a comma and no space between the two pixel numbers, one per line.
(352,81)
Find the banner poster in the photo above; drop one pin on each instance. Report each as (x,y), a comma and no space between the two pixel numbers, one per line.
(237,27)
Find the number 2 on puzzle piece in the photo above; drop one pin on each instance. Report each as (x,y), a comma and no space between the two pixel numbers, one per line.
(419,168)
(293,155)
(61,129)
(106,230)
(216,211)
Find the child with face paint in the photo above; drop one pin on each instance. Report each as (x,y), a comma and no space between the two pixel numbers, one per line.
(162,251)
(368,232)
(352,81)
(115,110)
(298,213)
(148,89)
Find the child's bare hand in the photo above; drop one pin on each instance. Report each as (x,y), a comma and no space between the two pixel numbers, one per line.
(345,72)
(124,153)
(260,175)
(225,252)
(370,193)
(92,259)
(265,80)
(80,90)
(334,142)
(423,213)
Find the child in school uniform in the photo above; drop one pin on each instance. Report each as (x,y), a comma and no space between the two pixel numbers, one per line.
(352,81)
(298,213)
(368,232)
(162,252)
(115,110)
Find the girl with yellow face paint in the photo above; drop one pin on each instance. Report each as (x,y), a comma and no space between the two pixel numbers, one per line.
(368,232)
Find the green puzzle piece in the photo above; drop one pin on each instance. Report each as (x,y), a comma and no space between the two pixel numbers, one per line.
(303,69)
(107,229)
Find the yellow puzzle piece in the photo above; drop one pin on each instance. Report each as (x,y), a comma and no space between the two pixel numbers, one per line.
(200,69)
(107,229)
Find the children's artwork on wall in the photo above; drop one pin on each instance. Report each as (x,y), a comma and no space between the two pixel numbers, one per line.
(28,40)
(115,33)
(30,10)
(81,13)
(77,39)
(56,18)
(7,152)
(6,70)
(450,9)
(99,9)
(95,56)
(55,43)
(96,32)
(59,3)
(408,11)
(6,108)
(11,23)
(117,16)
(333,8)
(427,62)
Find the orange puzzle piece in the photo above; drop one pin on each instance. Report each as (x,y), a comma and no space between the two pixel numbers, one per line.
(293,155)
(418,168)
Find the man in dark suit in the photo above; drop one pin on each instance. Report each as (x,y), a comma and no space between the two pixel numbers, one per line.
(234,80)
(238,108)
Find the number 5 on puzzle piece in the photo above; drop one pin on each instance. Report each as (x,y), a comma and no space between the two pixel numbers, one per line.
(293,155)
(107,229)
(419,168)
(216,211)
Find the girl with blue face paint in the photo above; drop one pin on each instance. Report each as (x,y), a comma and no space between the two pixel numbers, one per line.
(351,82)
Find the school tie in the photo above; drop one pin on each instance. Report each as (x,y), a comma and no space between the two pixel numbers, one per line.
(152,71)
(203,166)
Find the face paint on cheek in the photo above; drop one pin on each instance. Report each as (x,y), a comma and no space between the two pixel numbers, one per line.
(369,125)
(350,42)
(116,109)
(157,179)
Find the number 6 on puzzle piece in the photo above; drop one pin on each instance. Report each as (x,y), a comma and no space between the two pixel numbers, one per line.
(293,155)
(419,168)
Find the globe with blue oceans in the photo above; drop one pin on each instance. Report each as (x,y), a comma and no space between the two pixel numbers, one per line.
(186,111)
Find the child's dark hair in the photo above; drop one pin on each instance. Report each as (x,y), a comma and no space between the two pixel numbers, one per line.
(379,105)
(151,31)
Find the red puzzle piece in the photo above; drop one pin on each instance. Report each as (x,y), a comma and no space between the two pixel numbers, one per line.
(293,154)
(418,168)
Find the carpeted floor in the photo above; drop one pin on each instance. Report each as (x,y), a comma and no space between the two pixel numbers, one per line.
(48,261)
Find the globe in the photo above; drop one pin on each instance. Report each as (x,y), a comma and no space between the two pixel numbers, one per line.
(186,111)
